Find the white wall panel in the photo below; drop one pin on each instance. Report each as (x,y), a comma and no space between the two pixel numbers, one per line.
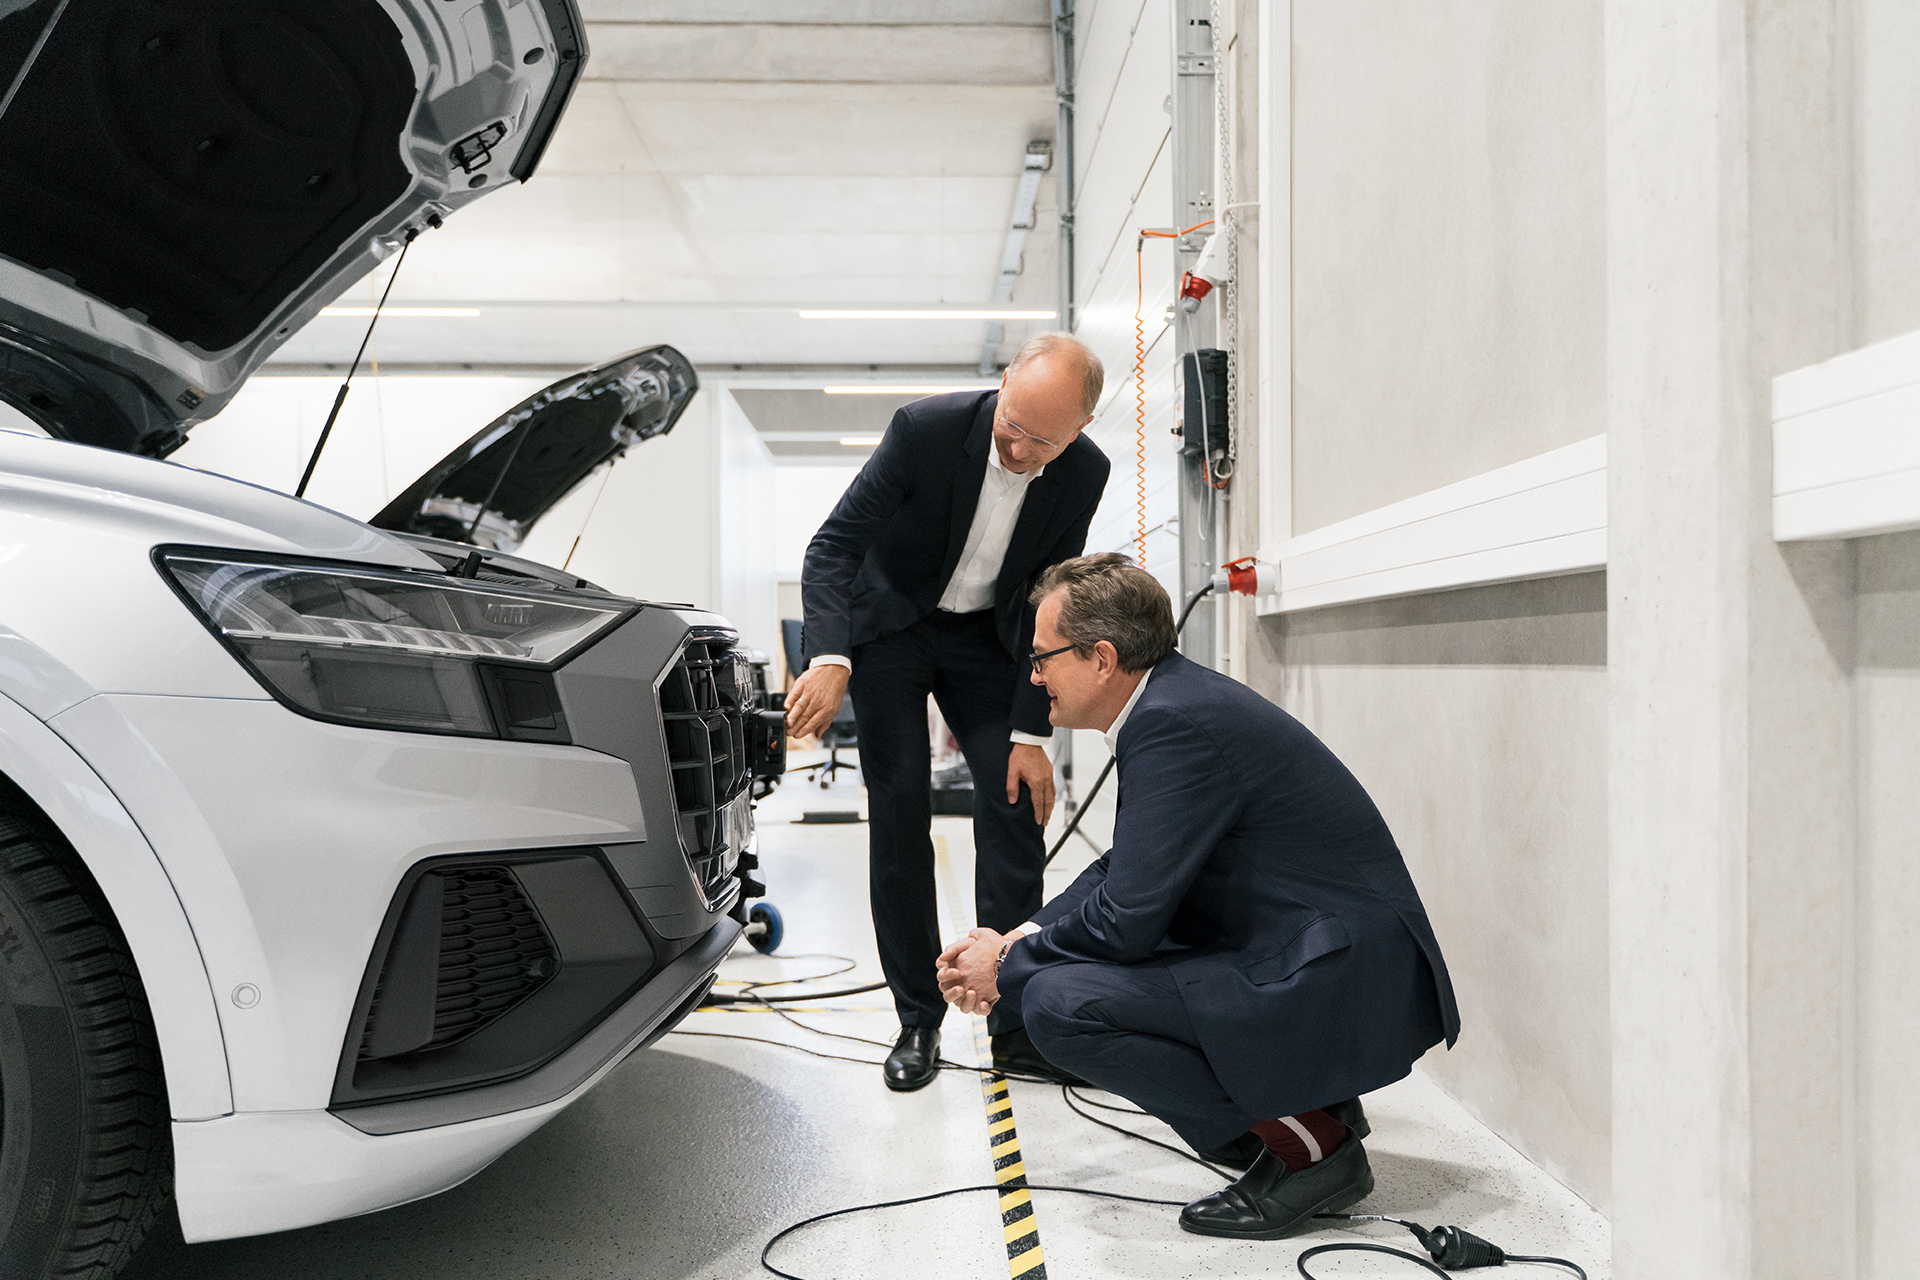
(746,578)
(1846,444)
(1533,519)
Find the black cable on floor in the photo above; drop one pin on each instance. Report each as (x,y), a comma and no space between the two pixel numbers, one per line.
(747,995)
(1346,1246)
(1068,1095)
(936,1195)
(1469,1250)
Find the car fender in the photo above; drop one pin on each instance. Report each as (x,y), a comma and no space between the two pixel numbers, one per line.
(92,819)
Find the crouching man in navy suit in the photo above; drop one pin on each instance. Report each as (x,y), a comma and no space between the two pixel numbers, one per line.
(1251,955)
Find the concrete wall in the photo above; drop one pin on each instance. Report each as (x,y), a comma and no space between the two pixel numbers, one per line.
(1664,816)
(1449,233)
(1477,721)
(1886,706)
(1884,221)
(1444,301)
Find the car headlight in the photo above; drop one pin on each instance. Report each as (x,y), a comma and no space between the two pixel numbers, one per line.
(393,649)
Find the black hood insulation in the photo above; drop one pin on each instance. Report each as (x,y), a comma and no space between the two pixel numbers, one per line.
(196,161)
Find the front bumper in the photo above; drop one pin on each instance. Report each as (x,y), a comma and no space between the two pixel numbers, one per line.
(291,842)
(250,1173)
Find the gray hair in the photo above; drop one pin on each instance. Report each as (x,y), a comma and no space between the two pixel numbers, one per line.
(1093,376)
(1109,597)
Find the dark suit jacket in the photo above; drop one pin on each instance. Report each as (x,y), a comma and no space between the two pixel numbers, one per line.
(881,561)
(1251,862)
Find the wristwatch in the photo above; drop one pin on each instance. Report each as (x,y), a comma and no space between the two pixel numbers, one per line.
(1002,957)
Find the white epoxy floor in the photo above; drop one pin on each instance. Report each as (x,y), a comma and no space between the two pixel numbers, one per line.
(692,1154)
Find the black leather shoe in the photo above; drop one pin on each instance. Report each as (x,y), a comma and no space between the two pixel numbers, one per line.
(1270,1200)
(1351,1114)
(1245,1149)
(1014,1052)
(915,1059)
(1238,1154)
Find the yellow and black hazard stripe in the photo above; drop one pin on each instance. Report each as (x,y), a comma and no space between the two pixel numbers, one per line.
(1025,1260)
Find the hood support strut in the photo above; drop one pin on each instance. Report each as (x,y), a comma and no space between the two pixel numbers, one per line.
(433,219)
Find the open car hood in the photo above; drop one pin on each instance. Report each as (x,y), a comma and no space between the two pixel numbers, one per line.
(184,183)
(493,489)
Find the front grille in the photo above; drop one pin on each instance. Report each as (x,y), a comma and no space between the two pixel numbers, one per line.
(704,700)
(494,953)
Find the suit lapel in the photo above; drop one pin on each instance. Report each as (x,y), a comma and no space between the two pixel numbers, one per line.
(968,477)
(1035,510)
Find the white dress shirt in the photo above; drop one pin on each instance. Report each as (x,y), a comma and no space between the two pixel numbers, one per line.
(970,589)
(1002,494)
(1112,735)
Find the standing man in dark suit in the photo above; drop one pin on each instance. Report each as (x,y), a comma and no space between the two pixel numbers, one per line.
(1251,955)
(917,584)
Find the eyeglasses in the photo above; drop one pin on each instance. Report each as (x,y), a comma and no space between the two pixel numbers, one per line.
(1039,658)
(1045,446)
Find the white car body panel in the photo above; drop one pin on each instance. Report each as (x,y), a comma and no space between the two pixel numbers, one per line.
(252,1173)
(288,836)
(64,506)
(136,886)
(241,844)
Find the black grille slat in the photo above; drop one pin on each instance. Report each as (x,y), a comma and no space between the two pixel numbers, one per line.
(704,701)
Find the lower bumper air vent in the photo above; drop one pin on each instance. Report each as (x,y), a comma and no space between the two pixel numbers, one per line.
(493,953)
(486,970)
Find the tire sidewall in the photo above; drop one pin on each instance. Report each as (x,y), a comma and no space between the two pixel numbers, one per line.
(41,1103)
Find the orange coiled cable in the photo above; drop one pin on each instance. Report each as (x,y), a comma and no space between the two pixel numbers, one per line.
(1140,383)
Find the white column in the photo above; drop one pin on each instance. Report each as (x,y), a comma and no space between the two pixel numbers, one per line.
(1729,809)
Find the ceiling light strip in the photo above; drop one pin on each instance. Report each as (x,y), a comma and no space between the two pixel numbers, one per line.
(929,314)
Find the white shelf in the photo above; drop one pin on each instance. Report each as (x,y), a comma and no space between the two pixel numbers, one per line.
(1846,444)
(1534,519)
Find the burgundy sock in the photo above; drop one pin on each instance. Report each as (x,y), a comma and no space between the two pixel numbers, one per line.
(1302,1140)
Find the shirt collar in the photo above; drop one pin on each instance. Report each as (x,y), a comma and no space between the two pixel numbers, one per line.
(993,460)
(1112,734)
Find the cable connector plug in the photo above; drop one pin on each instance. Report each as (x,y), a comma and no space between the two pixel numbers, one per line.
(1459,1250)
(1247,576)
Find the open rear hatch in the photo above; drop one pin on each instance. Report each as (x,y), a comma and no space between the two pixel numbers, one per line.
(491,491)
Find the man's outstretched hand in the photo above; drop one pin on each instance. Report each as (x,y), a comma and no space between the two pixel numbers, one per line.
(1031,765)
(814,698)
(969,971)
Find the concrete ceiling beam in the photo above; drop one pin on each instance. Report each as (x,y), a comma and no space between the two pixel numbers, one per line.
(832,53)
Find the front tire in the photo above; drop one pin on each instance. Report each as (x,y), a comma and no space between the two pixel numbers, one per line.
(84,1159)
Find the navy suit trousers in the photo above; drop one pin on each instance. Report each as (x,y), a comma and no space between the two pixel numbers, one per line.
(958,658)
(1124,1028)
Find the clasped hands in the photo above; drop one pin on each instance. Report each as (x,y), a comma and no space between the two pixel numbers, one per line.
(969,971)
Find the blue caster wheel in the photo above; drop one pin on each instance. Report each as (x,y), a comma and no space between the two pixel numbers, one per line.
(765,929)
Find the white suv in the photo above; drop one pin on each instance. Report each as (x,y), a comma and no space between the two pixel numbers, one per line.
(335,857)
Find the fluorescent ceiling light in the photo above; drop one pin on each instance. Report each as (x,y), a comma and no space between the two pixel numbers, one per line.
(902,389)
(863,440)
(910,314)
(364,312)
